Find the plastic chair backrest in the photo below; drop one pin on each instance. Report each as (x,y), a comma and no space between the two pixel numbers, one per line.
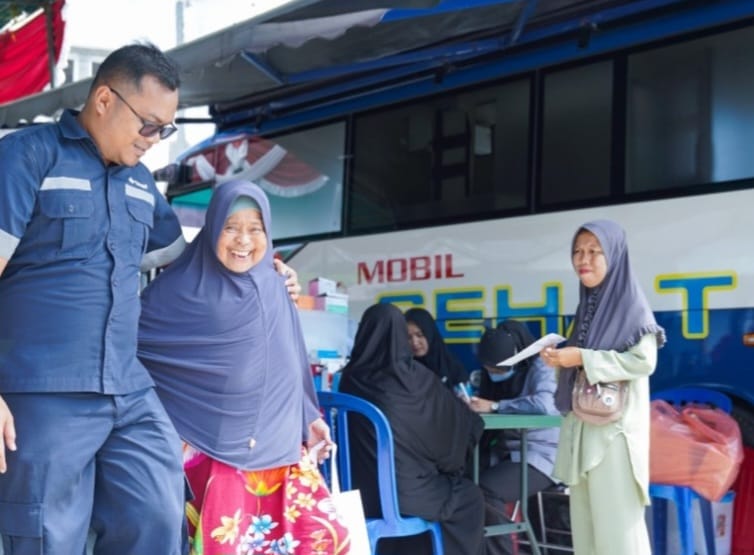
(392,523)
(695,395)
(344,404)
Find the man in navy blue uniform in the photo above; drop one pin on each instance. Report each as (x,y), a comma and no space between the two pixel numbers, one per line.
(84,441)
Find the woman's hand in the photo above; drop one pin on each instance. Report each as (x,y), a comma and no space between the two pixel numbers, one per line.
(319,432)
(291,278)
(561,358)
(478,404)
(7,434)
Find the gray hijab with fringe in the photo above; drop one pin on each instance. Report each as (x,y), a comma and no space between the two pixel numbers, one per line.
(615,315)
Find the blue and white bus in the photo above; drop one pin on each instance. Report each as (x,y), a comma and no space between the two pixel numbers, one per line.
(453,176)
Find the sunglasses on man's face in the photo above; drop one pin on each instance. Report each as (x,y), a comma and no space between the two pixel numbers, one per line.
(148,129)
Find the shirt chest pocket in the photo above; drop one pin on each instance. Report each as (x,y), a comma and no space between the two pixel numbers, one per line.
(71,226)
(141,219)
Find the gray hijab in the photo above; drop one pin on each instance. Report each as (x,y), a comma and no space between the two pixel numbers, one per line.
(615,315)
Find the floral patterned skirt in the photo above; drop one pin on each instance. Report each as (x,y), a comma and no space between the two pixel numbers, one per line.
(278,511)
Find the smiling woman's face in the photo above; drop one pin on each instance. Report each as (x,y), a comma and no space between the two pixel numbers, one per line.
(243,241)
(589,259)
(419,343)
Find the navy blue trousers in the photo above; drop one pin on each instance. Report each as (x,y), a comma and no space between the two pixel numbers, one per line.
(109,463)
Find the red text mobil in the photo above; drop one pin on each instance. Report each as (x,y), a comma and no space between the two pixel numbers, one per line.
(414,268)
(463,309)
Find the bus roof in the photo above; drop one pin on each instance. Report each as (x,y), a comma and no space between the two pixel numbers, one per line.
(310,48)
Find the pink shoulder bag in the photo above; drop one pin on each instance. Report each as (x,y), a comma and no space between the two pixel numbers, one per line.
(600,403)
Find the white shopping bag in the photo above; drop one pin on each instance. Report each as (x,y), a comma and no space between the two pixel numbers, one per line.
(348,508)
(350,511)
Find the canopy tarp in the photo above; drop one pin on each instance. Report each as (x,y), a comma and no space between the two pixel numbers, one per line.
(309,48)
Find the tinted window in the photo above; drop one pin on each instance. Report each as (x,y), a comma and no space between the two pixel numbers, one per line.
(301,172)
(576,133)
(690,113)
(460,155)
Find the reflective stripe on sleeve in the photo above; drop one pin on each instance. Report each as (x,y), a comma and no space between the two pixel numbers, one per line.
(8,244)
(161,257)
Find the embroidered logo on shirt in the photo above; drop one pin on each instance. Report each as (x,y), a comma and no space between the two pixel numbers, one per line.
(132,181)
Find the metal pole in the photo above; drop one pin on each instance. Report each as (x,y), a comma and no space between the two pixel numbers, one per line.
(50,41)
(179,22)
(180,143)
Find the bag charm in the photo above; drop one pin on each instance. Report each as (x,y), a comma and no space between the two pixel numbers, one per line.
(601,403)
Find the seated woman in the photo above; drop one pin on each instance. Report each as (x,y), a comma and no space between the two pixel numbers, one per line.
(433,432)
(223,343)
(527,387)
(429,348)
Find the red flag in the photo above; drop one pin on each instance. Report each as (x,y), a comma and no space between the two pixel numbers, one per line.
(24,66)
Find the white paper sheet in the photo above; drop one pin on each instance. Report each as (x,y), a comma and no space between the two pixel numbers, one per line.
(545,341)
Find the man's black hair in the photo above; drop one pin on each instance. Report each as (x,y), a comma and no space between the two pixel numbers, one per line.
(131,63)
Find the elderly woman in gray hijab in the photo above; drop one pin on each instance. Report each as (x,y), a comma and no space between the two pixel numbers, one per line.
(224,345)
(614,339)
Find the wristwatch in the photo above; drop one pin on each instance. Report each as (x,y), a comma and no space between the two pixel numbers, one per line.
(494,405)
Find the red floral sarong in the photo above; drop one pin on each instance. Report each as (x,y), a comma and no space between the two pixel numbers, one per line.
(279,511)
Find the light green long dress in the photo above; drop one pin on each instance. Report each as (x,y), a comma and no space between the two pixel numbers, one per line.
(609,519)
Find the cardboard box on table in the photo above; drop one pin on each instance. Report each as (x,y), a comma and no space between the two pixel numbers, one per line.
(332,302)
(322,286)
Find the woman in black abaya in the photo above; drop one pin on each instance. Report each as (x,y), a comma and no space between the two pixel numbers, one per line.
(432,429)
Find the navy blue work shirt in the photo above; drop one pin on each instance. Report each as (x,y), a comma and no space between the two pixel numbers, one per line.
(75,232)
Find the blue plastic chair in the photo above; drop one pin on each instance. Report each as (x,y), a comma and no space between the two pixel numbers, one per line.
(684,496)
(336,407)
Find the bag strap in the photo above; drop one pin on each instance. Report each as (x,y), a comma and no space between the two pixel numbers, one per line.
(663,408)
(334,478)
(698,419)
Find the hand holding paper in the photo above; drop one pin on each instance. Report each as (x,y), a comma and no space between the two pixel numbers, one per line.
(462,392)
(549,340)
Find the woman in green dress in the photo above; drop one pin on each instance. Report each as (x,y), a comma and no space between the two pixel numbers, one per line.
(614,338)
